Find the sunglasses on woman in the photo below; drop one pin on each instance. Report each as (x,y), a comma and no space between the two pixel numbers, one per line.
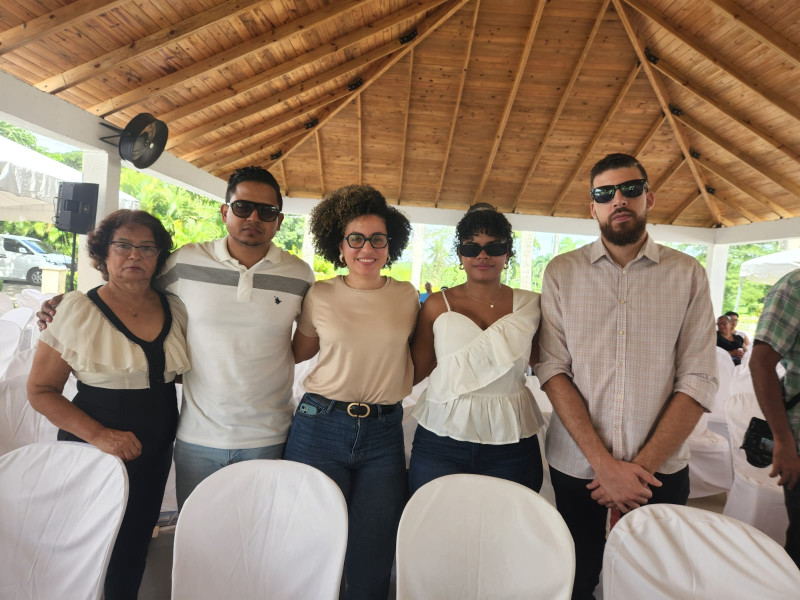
(245,208)
(629,189)
(471,250)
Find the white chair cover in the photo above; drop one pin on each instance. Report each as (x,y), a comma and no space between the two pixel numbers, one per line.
(725,374)
(261,529)
(61,505)
(31,298)
(470,536)
(754,497)
(21,316)
(10,335)
(666,551)
(20,424)
(710,464)
(6,303)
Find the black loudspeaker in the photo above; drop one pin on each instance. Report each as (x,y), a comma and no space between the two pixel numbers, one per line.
(77,206)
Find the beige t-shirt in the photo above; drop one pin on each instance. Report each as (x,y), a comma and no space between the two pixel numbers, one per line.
(364,354)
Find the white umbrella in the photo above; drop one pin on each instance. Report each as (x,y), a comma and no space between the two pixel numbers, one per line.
(768,269)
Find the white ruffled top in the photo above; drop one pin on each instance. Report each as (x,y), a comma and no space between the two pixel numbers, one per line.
(477,391)
(102,356)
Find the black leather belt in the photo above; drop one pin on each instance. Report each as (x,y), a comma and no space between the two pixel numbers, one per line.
(359,410)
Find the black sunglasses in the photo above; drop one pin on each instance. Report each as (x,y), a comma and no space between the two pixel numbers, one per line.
(629,189)
(471,250)
(245,208)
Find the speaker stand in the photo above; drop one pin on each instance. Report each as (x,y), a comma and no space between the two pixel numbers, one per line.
(71,284)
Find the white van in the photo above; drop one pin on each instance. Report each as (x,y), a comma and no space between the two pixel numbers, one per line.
(23,258)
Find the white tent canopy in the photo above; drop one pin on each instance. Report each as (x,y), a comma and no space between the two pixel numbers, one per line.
(29,184)
(768,269)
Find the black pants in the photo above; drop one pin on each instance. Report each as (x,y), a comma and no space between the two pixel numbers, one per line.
(586,520)
(152,415)
(792,498)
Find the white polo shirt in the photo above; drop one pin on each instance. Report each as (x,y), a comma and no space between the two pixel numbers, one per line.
(238,392)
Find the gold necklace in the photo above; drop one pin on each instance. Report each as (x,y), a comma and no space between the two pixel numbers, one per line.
(125,304)
(489,302)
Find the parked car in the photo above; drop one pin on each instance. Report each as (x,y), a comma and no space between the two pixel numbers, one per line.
(24,257)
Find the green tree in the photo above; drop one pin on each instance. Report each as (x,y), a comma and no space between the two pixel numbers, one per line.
(751,301)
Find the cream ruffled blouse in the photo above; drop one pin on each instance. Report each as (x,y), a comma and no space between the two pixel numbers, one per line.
(101,355)
(477,391)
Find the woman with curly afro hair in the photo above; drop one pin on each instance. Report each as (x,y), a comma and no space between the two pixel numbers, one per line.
(349,423)
(474,342)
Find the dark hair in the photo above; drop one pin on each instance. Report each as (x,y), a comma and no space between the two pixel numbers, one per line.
(484,218)
(615,161)
(731,313)
(97,242)
(257,174)
(330,217)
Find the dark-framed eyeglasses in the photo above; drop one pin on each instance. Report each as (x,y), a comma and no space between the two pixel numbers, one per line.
(629,189)
(471,250)
(125,249)
(376,240)
(245,208)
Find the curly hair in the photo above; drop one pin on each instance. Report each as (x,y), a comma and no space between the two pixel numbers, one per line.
(97,242)
(257,174)
(484,218)
(330,218)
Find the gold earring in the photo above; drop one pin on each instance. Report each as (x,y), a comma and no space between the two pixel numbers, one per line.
(505,266)
(341,258)
(461,266)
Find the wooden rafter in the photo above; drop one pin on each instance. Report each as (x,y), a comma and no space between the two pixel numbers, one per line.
(339,44)
(218,61)
(319,159)
(405,125)
(55,20)
(666,176)
(649,135)
(739,207)
(685,205)
(285,181)
(512,96)
(663,100)
(424,29)
(764,33)
(598,134)
(141,47)
(459,94)
(776,178)
(736,182)
(790,108)
(664,67)
(565,95)
(360,118)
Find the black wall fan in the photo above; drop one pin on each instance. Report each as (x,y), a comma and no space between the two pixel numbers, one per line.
(142,141)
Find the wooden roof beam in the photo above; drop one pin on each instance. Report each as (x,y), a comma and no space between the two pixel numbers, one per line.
(405,125)
(55,20)
(565,95)
(714,222)
(663,100)
(649,135)
(512,95)
(765,34)
(751,191)
(285,181)
(590,147)
(256,45)
(319,160)
(666,176)
(360,141)
(790,108)
(457,106)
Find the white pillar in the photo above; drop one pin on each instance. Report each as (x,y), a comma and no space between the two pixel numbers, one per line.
(417,253)
(308,243)
(716,268)
(525,259)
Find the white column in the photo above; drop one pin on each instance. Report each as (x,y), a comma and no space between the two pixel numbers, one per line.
(308,243)
(716,268)
(525,259)
(418,253)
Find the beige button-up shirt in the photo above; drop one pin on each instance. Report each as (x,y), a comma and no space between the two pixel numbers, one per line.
(628,337)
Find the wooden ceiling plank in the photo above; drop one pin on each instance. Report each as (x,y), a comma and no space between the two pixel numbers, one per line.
(649,135)
(790,108)
(337,45)
(55,20)
(751,191)
(598,134)
(285,181)
(457,107)
(739,207)
(279,34)
(321,165)
(360,118)
(512,96)
(666,176)
(424,29)
(663,100)
(683,206)
(565,95)
(760,30)
(725,108)
(151,43)
(405,126)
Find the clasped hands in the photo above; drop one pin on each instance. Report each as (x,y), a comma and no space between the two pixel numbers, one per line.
(623,485)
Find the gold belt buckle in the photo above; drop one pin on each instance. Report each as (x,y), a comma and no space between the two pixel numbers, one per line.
(350,410)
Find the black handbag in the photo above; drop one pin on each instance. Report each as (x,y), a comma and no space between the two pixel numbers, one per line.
(758,443)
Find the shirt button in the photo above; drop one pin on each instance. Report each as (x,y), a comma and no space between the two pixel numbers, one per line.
(621,332)
(624,271)
(620,364)
(619,396)
(622,301)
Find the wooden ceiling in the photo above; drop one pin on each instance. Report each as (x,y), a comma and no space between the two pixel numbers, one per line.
(447,103)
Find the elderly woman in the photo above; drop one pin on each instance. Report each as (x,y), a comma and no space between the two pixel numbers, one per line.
(349,423)
(125,342)
(475,341)
(727,340)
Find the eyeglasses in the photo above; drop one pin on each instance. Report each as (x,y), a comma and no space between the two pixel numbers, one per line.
(492,249)
(376,240)
(245,208)
(629,189)
(125,249)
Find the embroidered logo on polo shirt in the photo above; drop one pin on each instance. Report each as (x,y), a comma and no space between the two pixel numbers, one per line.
(277,300)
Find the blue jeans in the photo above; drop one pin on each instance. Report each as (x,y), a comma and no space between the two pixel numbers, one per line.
(193,463)
(435,456)
(365,458)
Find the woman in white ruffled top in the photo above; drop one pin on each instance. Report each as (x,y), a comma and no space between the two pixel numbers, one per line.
(125,342)
(475,342)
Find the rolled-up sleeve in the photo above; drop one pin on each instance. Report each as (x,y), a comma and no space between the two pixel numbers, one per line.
(553,353)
